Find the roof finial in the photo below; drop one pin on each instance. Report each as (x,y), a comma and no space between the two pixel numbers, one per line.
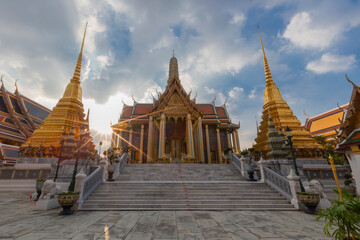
(16,84)
(225,102)
(307,116)
(2,83)
(173,53)
(354,85)
(213,101)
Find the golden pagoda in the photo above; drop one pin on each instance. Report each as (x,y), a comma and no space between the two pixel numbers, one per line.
(68,113)
(282,115)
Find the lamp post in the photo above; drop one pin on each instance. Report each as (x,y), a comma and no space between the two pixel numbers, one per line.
(100,143)
(61,148)
(72,183)
(290,143)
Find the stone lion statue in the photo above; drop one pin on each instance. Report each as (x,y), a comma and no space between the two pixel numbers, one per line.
(316,187)
(49,190)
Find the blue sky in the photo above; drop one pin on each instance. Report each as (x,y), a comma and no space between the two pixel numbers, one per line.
(310,46)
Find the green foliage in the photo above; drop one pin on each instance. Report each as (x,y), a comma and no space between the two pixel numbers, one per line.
(245,153)
(227,150)
(342,218)
(40,180)
(348,180)
(320,139)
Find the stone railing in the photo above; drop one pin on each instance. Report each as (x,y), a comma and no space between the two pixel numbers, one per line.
(236,162)
(239,163)
(276,181)
(90,183)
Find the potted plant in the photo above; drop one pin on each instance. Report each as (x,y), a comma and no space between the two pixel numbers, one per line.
(310,200)
(39,185)
(342,218)
(69,198)
(347,182)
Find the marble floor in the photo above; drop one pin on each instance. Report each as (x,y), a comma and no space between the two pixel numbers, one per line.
(19,221)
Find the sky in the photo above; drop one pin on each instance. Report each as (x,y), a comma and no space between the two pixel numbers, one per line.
(310,46)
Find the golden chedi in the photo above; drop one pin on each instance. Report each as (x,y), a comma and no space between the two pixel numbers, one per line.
(68,113)
(304,144)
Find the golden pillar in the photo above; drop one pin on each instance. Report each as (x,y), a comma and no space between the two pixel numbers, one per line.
(201,141)
(237,141)
(234,141)
(207,144)
(130,143)
(190,139)
(150,138)
(141,143)
(162,136)
(113,139)
(228,139)
(218,144)
(120,136)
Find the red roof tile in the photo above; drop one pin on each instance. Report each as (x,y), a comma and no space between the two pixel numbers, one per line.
(221,112)
(206,108)
(142,109)
(127,112)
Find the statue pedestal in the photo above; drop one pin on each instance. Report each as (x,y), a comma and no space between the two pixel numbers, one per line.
(46,204)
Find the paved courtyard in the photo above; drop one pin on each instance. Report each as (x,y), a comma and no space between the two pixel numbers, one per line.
(19,221)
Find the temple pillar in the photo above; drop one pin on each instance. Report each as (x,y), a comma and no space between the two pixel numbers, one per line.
(190,140)
(218,144)
(234,142)
(162,136)
(228,139)
(120,136)
(207,144)
(115,138)
(141,143)
(130,144)
(201,141)
(150,138)
(237,140)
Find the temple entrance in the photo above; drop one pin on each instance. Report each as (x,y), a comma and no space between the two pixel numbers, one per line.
(176,148)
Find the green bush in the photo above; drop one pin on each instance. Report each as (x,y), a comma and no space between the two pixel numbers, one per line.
(342,218)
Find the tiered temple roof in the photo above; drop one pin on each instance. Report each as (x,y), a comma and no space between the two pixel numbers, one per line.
(19,117)
(349,134)
(327,124)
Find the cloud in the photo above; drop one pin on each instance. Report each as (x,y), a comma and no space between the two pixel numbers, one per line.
(331,63)
(321,24)
(236,93)
(303,32)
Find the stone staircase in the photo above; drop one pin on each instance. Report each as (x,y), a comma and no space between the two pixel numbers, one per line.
(184,187)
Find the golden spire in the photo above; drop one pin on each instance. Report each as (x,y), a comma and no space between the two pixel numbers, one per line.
(268,76)
(173,68)
(76,76)
(68,114)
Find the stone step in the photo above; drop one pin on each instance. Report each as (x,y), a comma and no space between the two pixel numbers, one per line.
(186,206)
(195,198)
(185,201)
(268,208)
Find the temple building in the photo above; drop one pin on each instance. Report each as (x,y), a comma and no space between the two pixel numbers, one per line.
(174,128)
(349,134)
(282,116)
(327,124)
(19,117)
(67,116)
